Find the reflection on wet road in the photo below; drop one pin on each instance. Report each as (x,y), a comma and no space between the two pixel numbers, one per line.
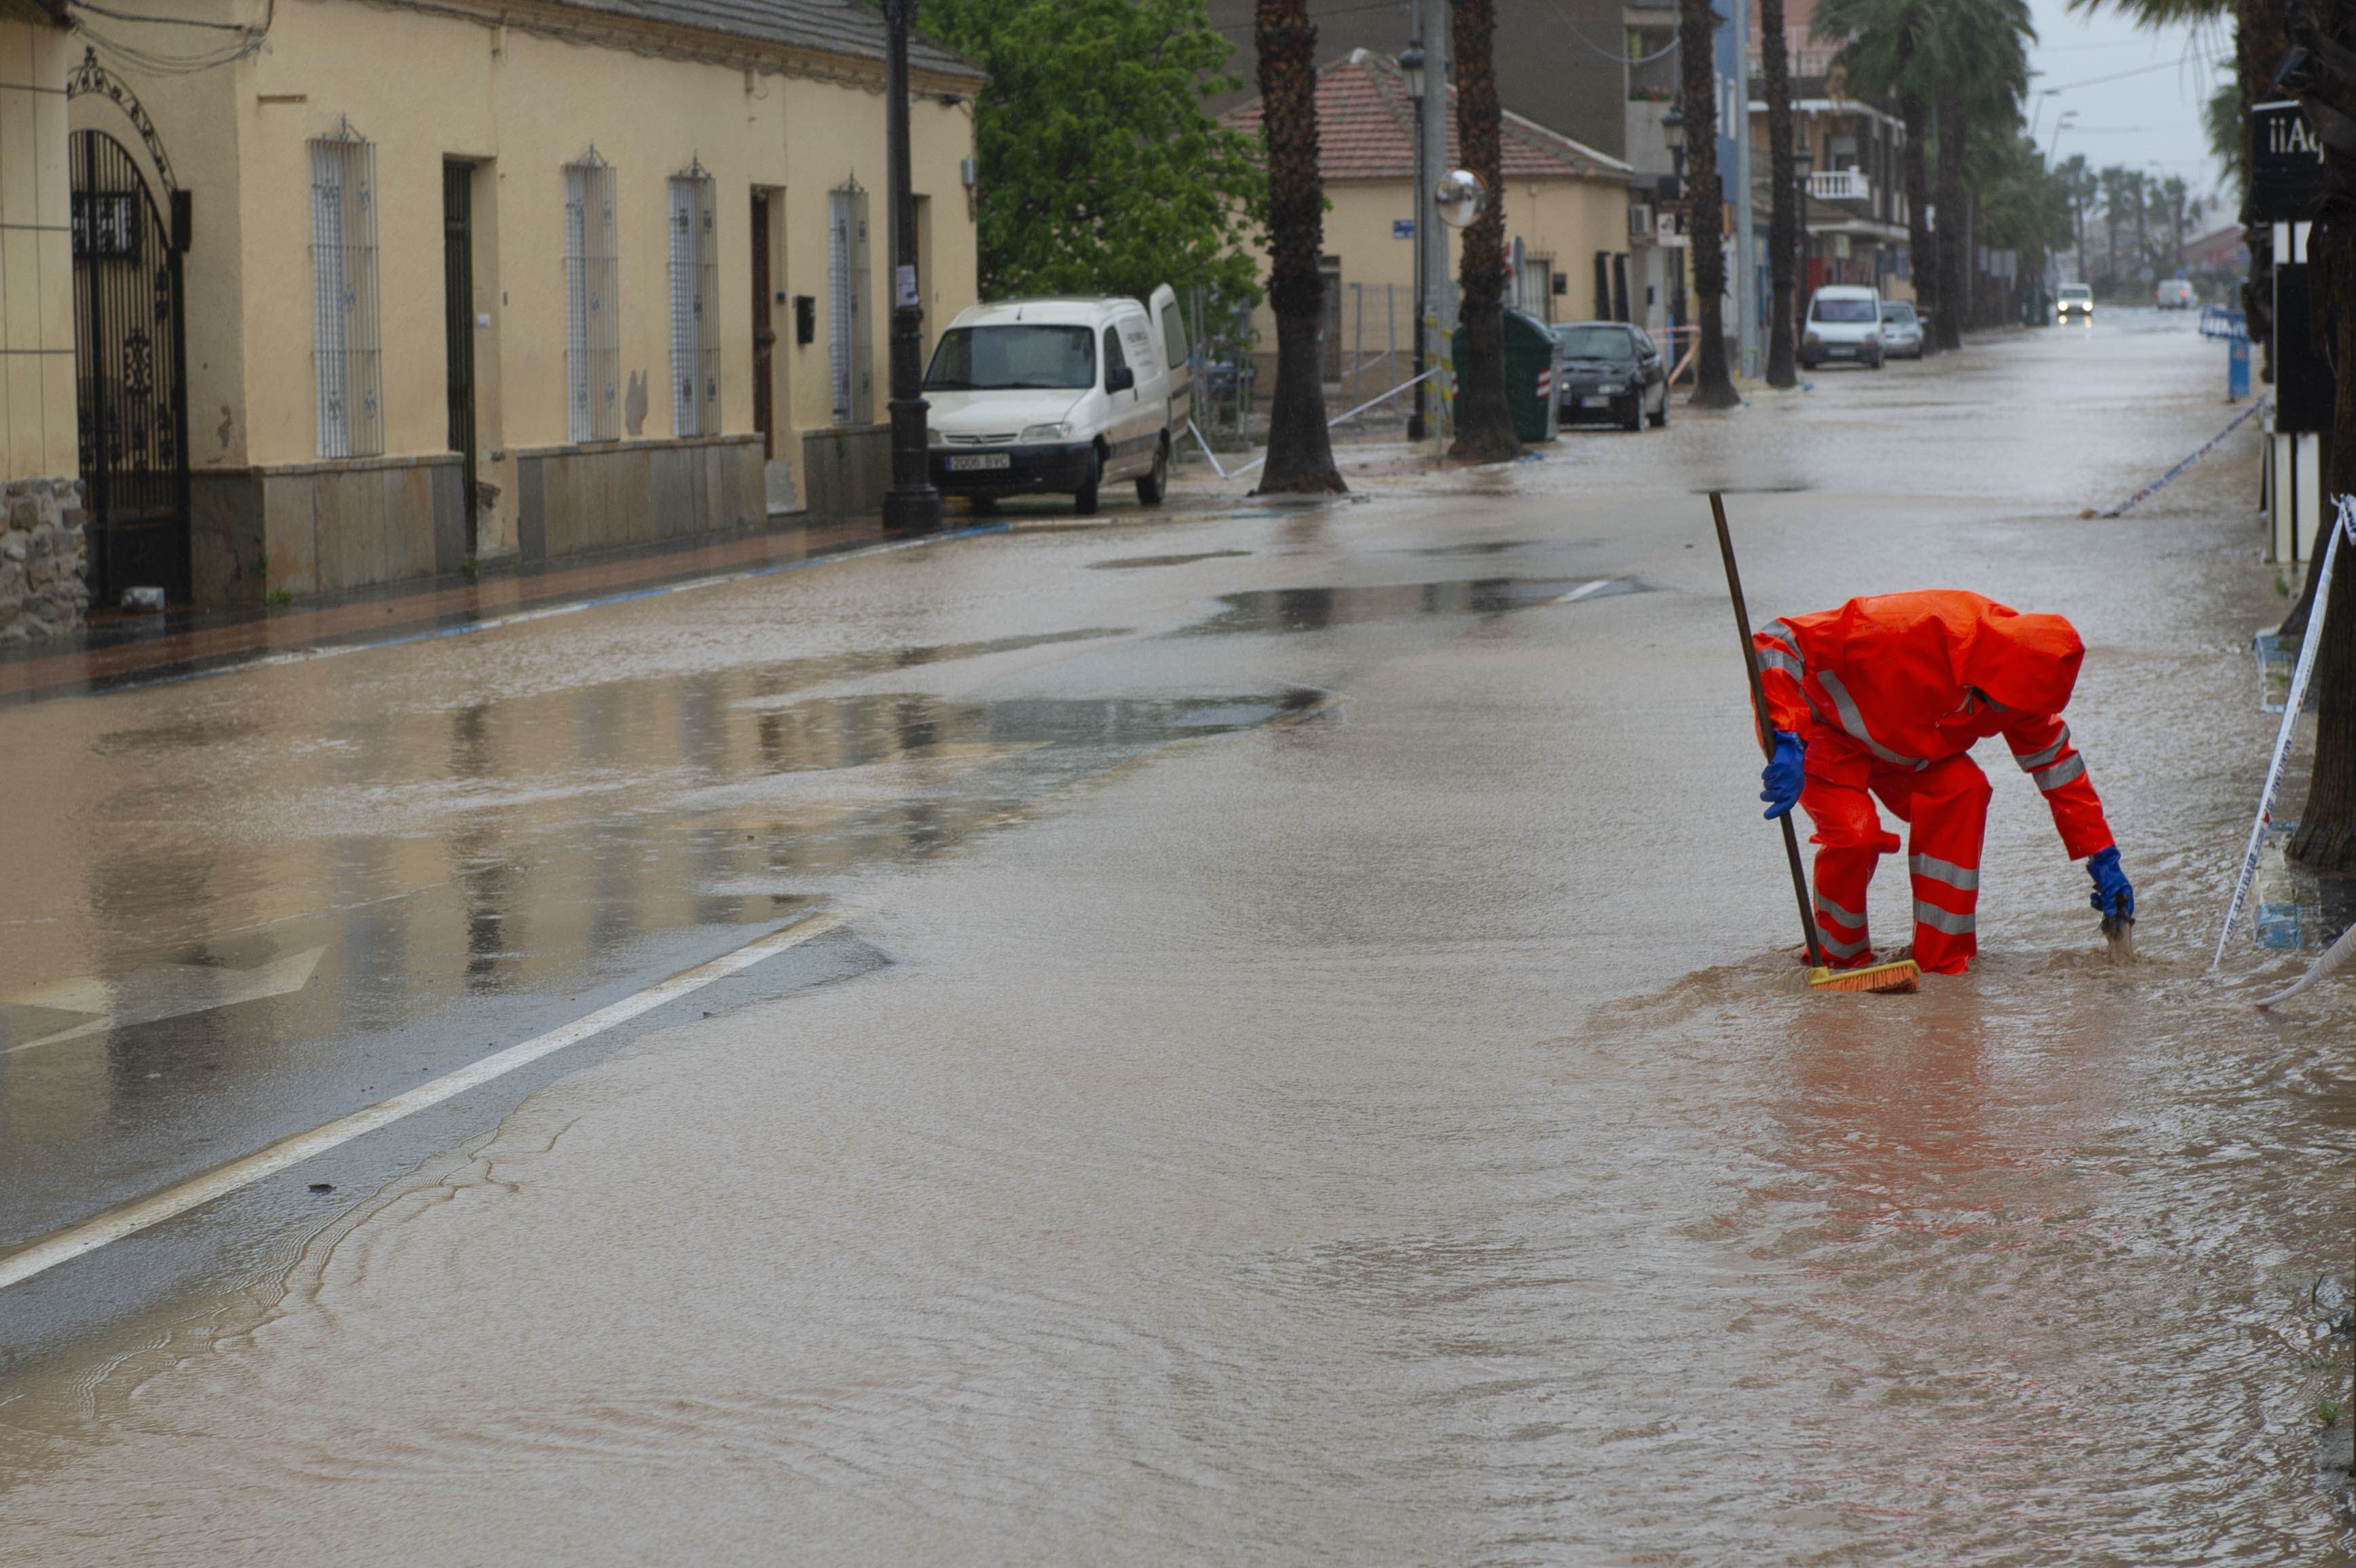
(1313,1071)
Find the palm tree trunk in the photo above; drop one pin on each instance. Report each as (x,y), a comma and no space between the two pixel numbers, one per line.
(1484,422)
(1951,237)
(1922,245)
(1299,453)
(1705,203)
(1784,221)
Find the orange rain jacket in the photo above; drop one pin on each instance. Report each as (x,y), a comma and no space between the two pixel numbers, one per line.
(1897,682)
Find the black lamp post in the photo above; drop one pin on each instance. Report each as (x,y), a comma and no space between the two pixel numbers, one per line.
(1410,64)
(911,505)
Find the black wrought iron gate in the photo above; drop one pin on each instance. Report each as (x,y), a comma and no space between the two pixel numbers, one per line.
(130,376)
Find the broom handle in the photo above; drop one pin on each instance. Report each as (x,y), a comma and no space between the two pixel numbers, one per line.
(1766,727)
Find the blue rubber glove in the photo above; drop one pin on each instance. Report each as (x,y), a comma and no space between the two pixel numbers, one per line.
(2114,895)
(1782,775)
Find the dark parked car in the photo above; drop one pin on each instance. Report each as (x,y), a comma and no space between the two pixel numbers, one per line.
(1610,370)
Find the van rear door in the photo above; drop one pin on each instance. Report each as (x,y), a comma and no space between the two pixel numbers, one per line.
(1169,335)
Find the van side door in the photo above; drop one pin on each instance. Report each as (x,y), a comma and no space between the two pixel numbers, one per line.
(1169,332)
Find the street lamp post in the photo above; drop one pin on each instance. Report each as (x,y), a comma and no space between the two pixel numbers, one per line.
(1672,132)
(1410,63)
(911,505)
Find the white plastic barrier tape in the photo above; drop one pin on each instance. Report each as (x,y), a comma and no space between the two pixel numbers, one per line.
(2343,526)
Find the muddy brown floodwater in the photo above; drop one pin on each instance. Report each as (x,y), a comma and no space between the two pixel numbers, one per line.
(1327,1080)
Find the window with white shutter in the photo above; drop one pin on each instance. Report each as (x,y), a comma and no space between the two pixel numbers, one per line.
(593,337)
(345,359)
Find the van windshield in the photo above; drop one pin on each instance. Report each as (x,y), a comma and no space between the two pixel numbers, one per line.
(1843,310)
(1012,358)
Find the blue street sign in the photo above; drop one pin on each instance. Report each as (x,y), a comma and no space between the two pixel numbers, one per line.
(1402,228)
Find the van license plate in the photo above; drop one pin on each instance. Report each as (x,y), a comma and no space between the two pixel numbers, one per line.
(970,462)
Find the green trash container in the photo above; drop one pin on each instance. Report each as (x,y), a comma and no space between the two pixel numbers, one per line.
(1529,376)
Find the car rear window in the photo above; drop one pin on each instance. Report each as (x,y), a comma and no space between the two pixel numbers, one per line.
(1841,310)
(1901,313)
(1595,342)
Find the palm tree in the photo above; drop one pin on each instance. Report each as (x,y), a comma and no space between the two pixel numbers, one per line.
(1981,52)
(2080,184)
(1882,56)
(1784,222)
(1300,452)
(1485,421)
(1705,202)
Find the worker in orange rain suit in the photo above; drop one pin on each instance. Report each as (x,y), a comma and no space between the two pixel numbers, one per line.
(1887,694)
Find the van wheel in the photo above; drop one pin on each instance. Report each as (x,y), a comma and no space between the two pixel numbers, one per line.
(1152,486)
(1083,499)
(981,506)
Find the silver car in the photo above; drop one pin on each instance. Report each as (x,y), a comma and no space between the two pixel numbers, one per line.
(1902,330)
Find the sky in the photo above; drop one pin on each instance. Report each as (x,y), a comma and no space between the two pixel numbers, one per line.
(2151,119)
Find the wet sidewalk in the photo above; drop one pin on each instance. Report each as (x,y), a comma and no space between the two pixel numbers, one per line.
(120,650)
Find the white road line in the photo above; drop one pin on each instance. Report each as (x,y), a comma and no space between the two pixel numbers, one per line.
(177,1201)
(1589,590)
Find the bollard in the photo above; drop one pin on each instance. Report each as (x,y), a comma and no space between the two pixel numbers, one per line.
(2237,367)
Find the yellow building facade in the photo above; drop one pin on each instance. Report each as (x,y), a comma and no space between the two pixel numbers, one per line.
(41,548)
(1565,204)
(472,283)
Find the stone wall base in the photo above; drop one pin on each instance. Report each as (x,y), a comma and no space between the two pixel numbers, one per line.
(43,557)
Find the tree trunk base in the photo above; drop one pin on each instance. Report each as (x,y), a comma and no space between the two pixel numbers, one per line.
(2327,846)
(1485,446)
(1722,395)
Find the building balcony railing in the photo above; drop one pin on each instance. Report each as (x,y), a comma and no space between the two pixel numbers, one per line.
(1839,185)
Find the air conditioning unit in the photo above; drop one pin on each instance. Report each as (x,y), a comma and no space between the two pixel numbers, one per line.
(1640,218)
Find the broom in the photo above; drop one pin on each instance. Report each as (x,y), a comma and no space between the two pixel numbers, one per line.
(1903,975)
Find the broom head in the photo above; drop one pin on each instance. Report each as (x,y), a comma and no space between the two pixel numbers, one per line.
(1903,975)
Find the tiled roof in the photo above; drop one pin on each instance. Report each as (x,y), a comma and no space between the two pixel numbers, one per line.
(849,27)
(1366,130)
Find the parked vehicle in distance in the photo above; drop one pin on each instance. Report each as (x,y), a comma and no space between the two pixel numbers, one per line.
(1610,370)
(2176,294)
(1037,396)
(1902,330)
(1844,322)
(2073,299)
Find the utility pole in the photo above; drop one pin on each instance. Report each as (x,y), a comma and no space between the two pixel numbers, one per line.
(1431,147)
(911,505)
(1411,67)
(1746,243)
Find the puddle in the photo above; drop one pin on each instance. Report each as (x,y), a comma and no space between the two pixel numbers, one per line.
(1138,562)
(1313,609)
(1484,547)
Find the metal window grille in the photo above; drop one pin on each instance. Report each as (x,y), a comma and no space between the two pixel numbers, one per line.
(345,355)
(694,304)
(846,271)
(593,334)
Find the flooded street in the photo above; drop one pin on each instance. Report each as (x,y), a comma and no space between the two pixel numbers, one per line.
(1310,1066)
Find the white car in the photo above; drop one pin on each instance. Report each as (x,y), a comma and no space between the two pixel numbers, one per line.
(2176,294)
(1902,330)
(1040,396)
(1844,322)
(2073,299)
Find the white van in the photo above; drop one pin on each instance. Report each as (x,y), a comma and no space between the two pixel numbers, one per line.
(1035,396)
(1844,322)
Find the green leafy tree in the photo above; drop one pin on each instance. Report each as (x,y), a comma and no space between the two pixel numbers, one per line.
(2080,186)
(1101,171)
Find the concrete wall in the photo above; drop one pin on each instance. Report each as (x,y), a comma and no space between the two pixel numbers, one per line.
(519,104)
(572,498)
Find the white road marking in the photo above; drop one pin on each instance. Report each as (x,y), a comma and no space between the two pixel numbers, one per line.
(174,1201)
(1589,590)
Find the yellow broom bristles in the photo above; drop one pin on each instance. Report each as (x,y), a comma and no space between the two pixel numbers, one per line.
(1903,975)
